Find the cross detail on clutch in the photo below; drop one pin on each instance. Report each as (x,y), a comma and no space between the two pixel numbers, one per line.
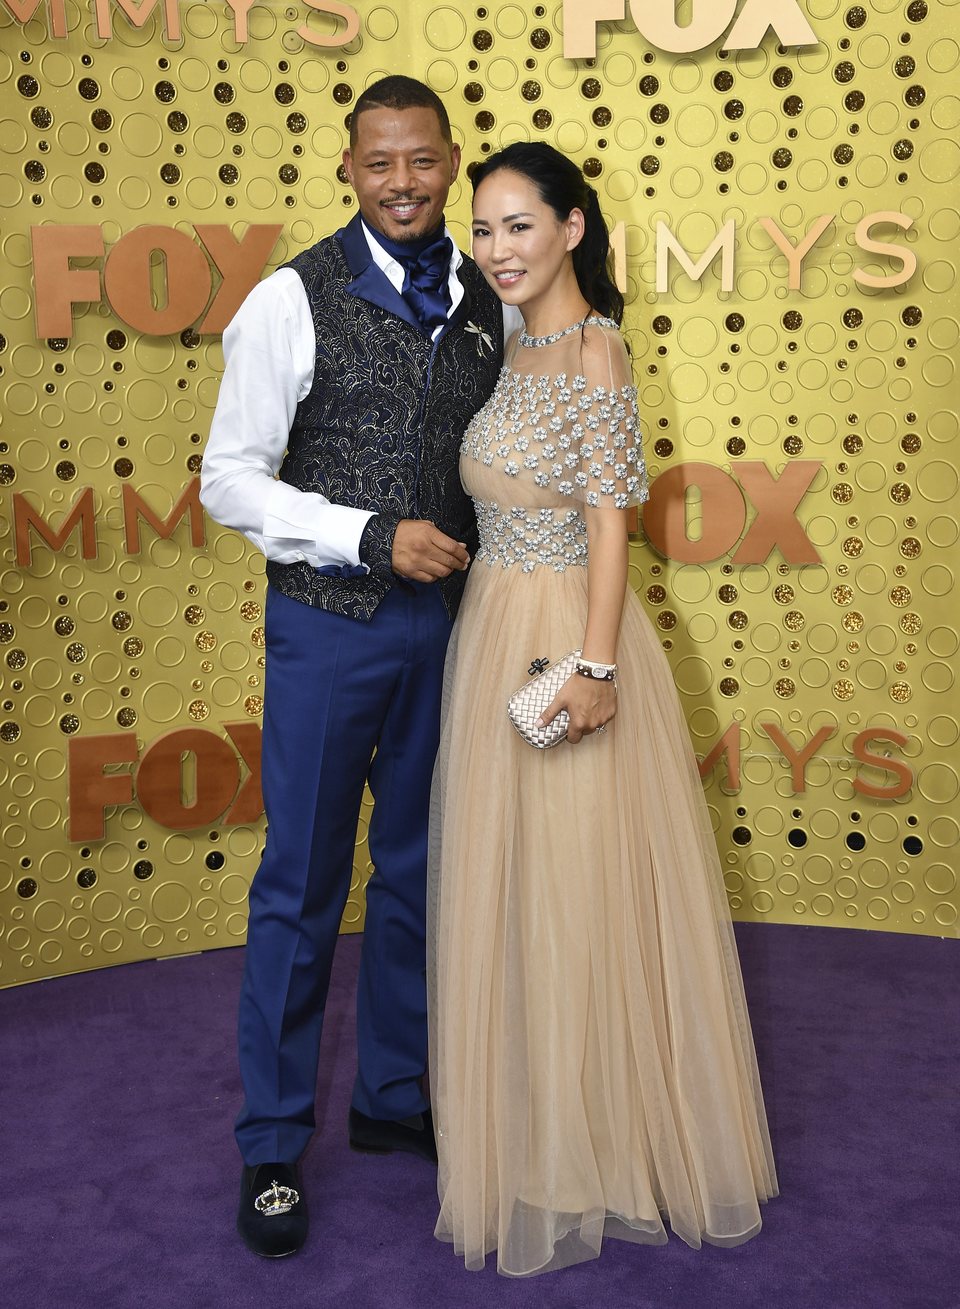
(538,666)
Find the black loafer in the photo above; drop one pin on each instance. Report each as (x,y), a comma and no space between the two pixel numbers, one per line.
(272,1218)
(384,1136)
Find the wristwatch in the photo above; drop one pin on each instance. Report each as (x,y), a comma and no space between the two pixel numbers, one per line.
(598,672)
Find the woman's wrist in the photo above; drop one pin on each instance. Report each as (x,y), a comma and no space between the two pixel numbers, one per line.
(601,652)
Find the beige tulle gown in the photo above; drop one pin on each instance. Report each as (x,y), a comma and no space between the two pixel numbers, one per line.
(592,1066)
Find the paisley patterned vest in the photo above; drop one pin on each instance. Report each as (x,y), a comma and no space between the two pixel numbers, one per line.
(382,425)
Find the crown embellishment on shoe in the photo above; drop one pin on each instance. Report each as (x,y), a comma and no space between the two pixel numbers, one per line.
(277,1200)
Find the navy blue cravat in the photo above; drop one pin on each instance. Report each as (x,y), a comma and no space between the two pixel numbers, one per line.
(426,275)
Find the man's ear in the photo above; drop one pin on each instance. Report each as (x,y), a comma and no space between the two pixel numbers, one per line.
(455,156)
(348,165)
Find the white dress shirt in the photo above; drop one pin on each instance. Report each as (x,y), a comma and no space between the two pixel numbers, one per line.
(269,351)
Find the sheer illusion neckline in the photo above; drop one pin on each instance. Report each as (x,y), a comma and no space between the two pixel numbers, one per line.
(535,342)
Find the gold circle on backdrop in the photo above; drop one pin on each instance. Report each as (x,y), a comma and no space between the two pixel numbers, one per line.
(445,28)
(442,76)
(170,902)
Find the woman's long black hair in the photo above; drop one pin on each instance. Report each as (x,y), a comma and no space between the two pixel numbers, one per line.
(562,186)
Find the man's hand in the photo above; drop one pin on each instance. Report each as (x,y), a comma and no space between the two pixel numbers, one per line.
(422,552)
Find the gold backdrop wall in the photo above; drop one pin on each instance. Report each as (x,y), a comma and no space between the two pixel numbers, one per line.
(799,552)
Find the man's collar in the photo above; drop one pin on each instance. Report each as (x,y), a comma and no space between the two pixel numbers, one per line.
(361,248)
(384,260)
(369,281)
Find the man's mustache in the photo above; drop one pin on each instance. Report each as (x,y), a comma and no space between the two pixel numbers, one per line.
(405,200)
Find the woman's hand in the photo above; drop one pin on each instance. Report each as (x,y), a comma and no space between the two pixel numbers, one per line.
(590,705)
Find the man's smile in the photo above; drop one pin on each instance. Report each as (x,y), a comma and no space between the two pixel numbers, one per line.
(403,208)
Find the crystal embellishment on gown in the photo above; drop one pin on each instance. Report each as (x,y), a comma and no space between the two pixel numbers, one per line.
(553,537)
(574,439)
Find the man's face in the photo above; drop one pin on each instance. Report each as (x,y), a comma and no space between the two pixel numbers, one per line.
(401,169)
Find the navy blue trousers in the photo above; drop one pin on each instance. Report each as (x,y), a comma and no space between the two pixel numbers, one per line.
(346,702)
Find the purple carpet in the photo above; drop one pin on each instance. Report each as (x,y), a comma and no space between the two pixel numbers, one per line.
(119,1172)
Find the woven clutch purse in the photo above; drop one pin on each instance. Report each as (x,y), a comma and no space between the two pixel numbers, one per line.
(526,705)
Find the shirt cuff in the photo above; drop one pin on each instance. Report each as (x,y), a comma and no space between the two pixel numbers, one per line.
(376,544)
(303,521)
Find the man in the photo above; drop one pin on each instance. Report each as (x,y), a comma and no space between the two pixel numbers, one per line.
(354,371)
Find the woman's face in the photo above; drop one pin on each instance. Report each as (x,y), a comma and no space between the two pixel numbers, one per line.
(519,244)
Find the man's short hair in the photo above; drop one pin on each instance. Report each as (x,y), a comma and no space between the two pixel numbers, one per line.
(399,92)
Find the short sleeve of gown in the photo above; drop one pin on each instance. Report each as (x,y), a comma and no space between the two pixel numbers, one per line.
(581,422)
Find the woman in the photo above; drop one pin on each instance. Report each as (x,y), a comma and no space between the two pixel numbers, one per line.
(592,1066)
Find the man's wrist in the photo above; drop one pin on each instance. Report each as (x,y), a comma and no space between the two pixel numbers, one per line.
(376,544)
